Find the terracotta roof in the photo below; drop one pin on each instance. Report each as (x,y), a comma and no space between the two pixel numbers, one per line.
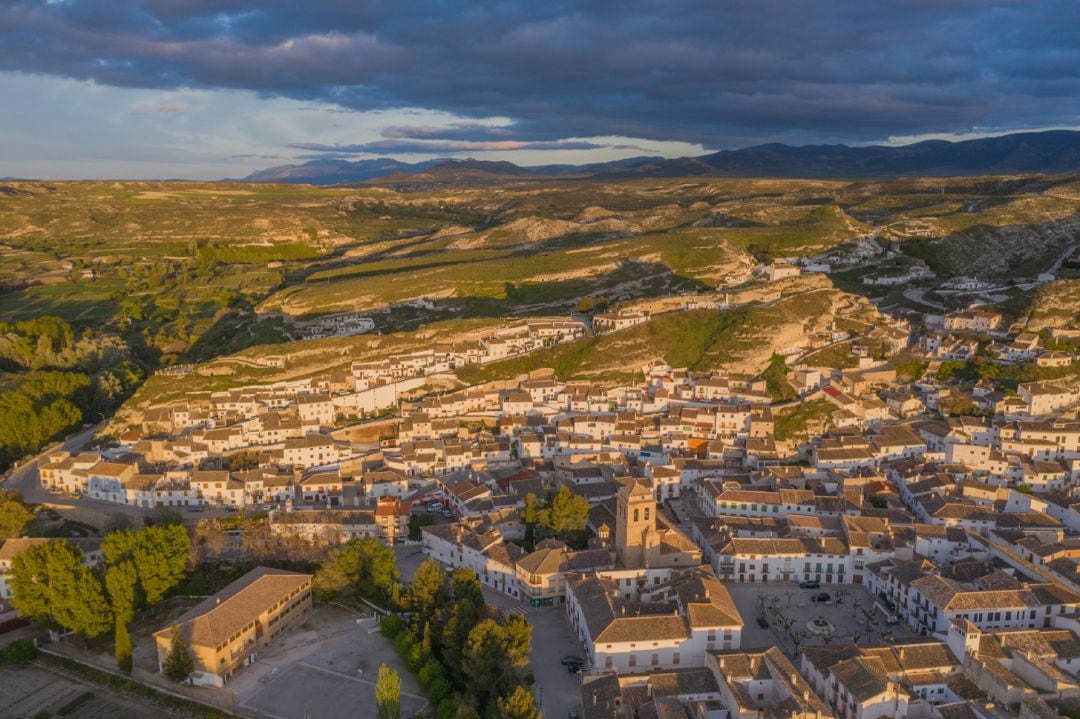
(214,620)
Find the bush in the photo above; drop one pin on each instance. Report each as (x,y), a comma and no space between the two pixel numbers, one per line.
(391,626)
(414,658)
(404,644)
(20,651)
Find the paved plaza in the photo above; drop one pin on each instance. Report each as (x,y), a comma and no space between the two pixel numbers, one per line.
(325,668)
(789,610)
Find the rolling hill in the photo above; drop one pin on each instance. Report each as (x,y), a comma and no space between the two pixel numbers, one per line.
(1055,151)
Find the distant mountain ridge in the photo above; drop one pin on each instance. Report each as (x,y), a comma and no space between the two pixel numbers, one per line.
(1052,151)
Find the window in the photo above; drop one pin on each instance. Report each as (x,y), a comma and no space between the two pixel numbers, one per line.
(674,657)
(633,660)
(635,514)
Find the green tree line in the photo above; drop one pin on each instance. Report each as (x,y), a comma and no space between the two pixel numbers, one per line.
(52,587)
(471,661)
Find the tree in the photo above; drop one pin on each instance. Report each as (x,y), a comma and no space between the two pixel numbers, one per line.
(388,693)
(427,589)
(492,659)
(520,704)
(459,623)
(484,662)
(518,640)
(178,664)
(566,512)
(530,515)
(160,556)
(50,585)
(362,567)
(585,304)
(123,647)
(14,518)
(776,382)
(120,583)
(465,585)
(416,523)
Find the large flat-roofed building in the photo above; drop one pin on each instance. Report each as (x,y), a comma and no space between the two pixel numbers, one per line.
(226,631)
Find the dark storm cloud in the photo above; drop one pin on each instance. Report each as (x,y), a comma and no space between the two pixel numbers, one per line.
(413,147)
(709,72)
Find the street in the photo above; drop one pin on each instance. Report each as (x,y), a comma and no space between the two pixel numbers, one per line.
(24,478)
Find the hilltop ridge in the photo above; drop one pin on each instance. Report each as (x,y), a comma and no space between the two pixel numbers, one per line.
(1052,151)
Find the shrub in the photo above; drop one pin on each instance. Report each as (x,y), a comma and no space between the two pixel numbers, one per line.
(391,626)
(404,644)
(20,651)
(414,658)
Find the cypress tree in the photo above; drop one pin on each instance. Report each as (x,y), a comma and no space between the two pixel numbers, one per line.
(178,665)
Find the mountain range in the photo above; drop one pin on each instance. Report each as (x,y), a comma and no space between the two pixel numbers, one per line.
(1053,151)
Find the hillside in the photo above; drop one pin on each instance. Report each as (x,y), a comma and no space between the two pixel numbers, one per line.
(741,340)
(1055,151)
(1055,304)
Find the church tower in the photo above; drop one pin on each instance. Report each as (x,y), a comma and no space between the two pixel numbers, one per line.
(635,524)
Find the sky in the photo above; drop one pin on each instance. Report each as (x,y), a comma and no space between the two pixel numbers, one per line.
(205,89)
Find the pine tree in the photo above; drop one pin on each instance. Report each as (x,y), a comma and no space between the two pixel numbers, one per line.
(14,518)
(388,693)
(520,704)
(566,512)
(178,664)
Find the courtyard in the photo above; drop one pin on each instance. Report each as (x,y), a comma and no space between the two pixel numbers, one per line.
(326,667)
(795,620)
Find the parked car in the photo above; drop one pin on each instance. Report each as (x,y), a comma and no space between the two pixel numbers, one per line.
(823,597)
(267,507)
(810,585)
(568,660)
(195,508)
(761,622)
(448,514)
(232,508)
(434,506)
(574,668)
